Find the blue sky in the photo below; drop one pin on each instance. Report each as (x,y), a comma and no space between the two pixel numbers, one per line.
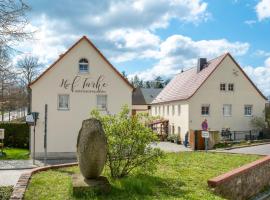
(156,37)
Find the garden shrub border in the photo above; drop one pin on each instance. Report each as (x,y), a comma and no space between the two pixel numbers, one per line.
(16,134)
(21,186)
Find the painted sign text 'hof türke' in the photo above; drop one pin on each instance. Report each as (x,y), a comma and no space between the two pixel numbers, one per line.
(84,84)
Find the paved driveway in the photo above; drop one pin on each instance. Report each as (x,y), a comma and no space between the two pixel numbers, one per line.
(260,150)
(10,177)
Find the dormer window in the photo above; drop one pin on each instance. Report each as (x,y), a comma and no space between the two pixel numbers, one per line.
(83,65)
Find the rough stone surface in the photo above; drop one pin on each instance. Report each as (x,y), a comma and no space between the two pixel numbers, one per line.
(91,148)
(99,185)
(244,182)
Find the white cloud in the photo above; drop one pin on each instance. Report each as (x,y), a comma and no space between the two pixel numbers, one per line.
(250,22)
(260,76)
(261,53)
(122,29)
(179,51)
(48,43)
(146,13)
(132,44)
(263,9)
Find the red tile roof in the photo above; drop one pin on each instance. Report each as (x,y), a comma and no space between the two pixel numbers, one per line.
(184,85)
(98,51)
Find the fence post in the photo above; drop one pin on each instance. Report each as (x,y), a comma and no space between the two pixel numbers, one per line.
(250,135)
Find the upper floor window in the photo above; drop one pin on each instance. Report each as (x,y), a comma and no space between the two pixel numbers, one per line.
(231,87)
(227,110)
(83,65)
(222,87)
(102,102)
(248,110)
(205,110)
(63,102)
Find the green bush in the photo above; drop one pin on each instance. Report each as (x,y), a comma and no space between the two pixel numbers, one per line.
(16,135)
(129,141)
(5,192)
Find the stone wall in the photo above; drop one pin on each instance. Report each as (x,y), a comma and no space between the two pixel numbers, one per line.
(244,182)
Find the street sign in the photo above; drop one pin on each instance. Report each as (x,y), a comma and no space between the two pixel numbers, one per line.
(205,134)
(2,134)
(30,119)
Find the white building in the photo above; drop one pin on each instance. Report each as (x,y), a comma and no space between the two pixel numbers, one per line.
(81,80)
(218,90)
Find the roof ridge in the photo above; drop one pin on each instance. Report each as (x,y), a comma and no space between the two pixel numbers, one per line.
(224,54)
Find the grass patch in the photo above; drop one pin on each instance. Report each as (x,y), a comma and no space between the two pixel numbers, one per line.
(5,192)
(179,176)
(15,154)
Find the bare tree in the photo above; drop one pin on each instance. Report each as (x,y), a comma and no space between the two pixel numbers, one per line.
(13,21)
(29,68)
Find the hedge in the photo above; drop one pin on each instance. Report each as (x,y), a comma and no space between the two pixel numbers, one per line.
(16,134)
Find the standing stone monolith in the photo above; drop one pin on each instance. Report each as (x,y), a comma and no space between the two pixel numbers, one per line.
(91,148)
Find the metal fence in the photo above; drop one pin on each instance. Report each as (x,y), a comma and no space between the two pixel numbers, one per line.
(228,135)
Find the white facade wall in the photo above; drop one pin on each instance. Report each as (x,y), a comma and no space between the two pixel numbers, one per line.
(64,125)
(178,120)
(209,93)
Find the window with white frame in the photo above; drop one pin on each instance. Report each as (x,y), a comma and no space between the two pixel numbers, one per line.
(83,65)
(248,110)
(227,110)
(168,109)
(231,87)
(63,101)
(159,113)
(179,109)
(173,110)
(163,110)
(222,86)
(173,129)
(205,109)
(102,102)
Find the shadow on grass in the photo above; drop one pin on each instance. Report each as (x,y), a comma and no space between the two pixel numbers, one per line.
(139,187)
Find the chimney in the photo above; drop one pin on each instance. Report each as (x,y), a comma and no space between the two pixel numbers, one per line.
(202,63)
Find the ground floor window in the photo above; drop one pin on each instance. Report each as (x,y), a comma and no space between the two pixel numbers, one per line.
(227,110)
(248,110)
(63,102)
(102,102)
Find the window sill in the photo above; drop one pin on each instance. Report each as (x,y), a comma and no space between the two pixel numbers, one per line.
(248,115)
(83,72)
(227,115)
(63,109)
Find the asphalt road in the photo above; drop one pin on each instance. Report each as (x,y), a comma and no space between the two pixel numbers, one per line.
(260,150)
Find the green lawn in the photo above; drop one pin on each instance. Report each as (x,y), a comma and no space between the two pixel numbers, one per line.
(179,176)
(15,154)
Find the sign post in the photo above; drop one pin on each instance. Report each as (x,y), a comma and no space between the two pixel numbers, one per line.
(2,136)
(205,135)
(31,119)
(45,134)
